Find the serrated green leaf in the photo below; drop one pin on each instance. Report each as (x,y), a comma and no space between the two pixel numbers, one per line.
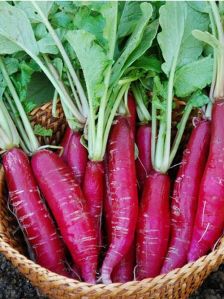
(132,43)
(176,41)
(198,99)
(193,76)
(148,63)
(93,60)
(41,131)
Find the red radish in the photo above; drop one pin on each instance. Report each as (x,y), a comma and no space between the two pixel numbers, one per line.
(143,162)
(185,196)
(32,213)
(93,189)
(124,271)
(123,191)
(132,113)
(77,157)
(209,221)
(65,198)
(153,226)
(65,143)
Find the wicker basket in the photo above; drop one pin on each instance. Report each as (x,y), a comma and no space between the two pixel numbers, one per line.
(178,284)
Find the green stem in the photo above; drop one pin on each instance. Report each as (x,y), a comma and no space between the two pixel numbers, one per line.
(166,150)
(154,132)
(74,92)
(33,140)
(180,132)
(65,57)
(104,100)
(17,121)
(160,148)
(53,75)
(119,97)
(54,104)
(143,112)
(5,141)
(219,88)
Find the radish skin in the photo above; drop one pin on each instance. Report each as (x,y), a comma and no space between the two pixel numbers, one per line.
(123,191)
(143,162)
(68,205)
(77,157)
(153,226)
(93,189)
(185,196)
(32,213)
(209,221)
(65,143)
(124,271)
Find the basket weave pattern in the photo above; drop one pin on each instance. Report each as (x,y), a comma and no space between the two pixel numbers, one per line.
(178,284)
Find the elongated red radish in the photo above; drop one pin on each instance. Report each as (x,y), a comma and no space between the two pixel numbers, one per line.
(153,226)
(132,113)
(124,271)
(209,221)
(32,213)
(123,191)
(77,157)
(93,189)
(68,205)
(143,162)
(185,196)
(65,143)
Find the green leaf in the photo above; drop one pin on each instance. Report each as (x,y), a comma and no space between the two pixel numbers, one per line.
(30,11)
(11,64)
(176,41)
(198,99)
(41,131)
(132,43)
(147,39)
(148,63)
(15,26)
(193,76)
(129,18)
(201,6)
(208,38)
(47,45)
(8,47)
(39,90)
(93,60)
(63,20)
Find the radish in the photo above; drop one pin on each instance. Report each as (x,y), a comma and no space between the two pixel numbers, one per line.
(153,226)
(123,192)
(31,212)
(93,189)
(143,162)
(25,198)
(209,221)
(185,195)
(124,271)
(77,157)
(65,143)
(69,208)
(143,135)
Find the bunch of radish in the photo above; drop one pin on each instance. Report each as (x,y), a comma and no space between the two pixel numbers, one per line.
(105,205)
